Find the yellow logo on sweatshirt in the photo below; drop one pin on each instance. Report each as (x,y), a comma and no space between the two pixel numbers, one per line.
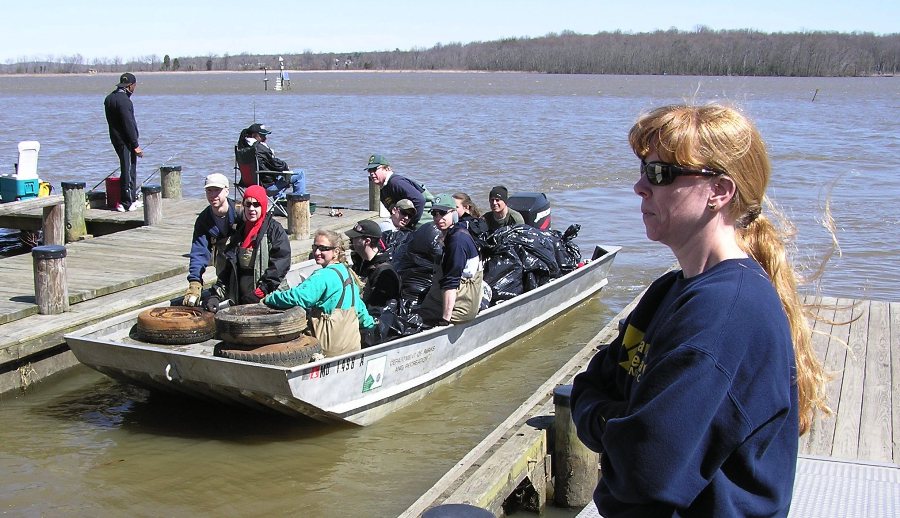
(636,348)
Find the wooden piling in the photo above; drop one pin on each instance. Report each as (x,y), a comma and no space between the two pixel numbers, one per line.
(75,203)
(170,178)
(53,223)
(574,465)
(298,216)
(374,197)
(51,292)
(152,204)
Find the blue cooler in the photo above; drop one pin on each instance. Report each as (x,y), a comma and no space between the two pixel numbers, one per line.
(12,188)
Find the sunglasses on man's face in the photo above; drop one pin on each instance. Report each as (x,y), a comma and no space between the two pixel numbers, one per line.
(439,213)
(661,173)
(249,204)
(372,170)
(322,248)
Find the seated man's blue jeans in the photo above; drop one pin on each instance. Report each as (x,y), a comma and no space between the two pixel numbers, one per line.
(297,183)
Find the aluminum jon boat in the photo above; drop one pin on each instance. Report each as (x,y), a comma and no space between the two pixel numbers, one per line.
(357,388)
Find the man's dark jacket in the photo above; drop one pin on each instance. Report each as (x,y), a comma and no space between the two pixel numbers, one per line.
(123,130)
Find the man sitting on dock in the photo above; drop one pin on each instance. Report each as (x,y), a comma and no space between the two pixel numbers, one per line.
(395,187)
(212,229)
(269,162)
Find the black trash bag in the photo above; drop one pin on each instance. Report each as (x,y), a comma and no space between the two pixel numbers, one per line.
(534,248)
(415,261)
(396,320)
(503,273)
(568,255)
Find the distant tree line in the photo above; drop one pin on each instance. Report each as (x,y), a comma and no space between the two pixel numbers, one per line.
(702,51)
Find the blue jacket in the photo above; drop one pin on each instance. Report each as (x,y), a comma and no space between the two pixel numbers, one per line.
(209,230)
(459,248)
(399,187)
(694,404)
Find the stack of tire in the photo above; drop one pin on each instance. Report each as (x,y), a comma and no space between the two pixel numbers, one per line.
(253,332)
(259,334)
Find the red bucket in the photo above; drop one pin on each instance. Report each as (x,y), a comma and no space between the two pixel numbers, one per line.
(113,192)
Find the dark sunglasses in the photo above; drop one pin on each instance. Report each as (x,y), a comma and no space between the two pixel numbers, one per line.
(439,212)
(249,204)
(661,173)
(323,248)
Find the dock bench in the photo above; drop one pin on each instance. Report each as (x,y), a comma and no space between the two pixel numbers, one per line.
(20,215)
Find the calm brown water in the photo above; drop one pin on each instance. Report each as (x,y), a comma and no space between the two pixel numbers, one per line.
(84,445)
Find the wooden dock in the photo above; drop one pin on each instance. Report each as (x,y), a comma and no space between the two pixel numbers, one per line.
(108,275)
(859,341)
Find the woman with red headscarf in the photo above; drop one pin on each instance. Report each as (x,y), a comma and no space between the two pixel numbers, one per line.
(258,254)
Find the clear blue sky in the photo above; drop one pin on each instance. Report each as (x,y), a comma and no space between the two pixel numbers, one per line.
(134,29)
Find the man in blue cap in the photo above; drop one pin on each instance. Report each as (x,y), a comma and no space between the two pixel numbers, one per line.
(123,133)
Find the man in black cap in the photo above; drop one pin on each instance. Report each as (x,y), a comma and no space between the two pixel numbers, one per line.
(269,162)
(373,265)
(501,215)
(123,133)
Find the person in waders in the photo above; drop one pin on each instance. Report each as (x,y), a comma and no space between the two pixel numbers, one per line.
(331,297)
(258,255)
(455,293)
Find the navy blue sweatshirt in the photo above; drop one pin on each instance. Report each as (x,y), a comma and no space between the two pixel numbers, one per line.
(209,230)
(694,404)
(399,187)
(459,247)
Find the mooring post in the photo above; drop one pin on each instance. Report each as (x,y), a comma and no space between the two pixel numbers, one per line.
(75,203)
(298,216)
(170,178)
(574,465)
(51,291)
(152,204)
(53,224)
(375,199)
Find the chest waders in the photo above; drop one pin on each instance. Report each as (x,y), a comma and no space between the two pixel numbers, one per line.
(337,332)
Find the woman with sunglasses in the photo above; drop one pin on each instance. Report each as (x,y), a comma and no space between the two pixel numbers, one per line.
(331,297)
(455,292)
(258,255)
(697,405)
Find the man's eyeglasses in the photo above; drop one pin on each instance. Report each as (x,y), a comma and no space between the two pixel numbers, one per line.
(323,248)
(372,170)
(661,173)
(439,212)
(249,204)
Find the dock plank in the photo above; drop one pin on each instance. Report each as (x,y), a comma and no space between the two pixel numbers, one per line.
(847,425)
(895,376)
(875,420)
(822,321)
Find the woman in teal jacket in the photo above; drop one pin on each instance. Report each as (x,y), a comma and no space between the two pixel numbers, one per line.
(330,296)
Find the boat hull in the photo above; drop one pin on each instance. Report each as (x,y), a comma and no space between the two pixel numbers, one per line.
(358,388)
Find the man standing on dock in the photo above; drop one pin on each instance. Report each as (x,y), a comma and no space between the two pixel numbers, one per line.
(123,133)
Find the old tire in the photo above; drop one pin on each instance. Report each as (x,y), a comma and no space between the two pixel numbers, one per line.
(176,325)
(256,324)
(284,354)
